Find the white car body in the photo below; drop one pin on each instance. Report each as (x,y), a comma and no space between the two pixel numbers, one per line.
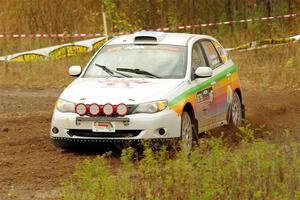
(179,93)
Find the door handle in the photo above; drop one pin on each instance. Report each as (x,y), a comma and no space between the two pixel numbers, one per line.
(228,74)
(213,83)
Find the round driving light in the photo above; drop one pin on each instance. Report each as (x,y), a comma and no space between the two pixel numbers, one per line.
(94,109)
(122,109)
(108,109)
(55,130)
(161,131)
(81,109)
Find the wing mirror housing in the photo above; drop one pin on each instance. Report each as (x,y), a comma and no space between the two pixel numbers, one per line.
(75,70)
(203,72)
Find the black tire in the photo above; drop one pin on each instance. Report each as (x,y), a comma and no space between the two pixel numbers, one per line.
(187,135)
(236,112)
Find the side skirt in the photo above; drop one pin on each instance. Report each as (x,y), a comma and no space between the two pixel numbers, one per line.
(212,126)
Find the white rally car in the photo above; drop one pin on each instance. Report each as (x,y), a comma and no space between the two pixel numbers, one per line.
(149,85)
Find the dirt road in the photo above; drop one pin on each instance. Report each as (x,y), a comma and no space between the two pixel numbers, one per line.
(31,167)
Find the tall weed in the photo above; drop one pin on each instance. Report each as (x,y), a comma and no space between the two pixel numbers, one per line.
(253,170)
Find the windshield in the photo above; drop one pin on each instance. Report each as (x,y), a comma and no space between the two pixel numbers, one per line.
(149,61)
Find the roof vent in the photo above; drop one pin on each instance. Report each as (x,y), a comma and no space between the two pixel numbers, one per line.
(148,37)
(145,38)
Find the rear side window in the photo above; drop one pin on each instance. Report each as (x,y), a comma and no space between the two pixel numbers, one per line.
(222,52)
(211,54)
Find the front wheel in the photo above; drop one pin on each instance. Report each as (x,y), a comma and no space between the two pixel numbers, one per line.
(186,131)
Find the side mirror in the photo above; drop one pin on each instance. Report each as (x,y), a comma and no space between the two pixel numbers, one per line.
(74,70)
(203,72)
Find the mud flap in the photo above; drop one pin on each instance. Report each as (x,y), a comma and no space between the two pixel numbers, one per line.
(243,112)
(228,116)
(196,134)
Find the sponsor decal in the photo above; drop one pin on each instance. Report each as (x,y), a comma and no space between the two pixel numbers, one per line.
(120,83)
(265,42)
(65,51)
(205,95)
(98,45)
(28,57)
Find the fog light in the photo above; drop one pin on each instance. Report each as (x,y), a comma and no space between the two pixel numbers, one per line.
(55,130)
(161,131)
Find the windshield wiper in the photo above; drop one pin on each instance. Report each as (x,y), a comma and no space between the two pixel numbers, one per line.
(110,71)
(138,71)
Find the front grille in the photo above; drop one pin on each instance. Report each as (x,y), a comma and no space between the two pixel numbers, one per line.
(117,134)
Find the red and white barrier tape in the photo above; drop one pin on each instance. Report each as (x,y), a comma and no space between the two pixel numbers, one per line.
(41,35)
(226,22)
(80,35)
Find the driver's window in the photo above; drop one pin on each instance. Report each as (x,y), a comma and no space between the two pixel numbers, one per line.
(197,57)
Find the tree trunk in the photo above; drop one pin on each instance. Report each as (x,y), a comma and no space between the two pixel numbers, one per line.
(229,12)
(291,6)
(268,7)
(163,12)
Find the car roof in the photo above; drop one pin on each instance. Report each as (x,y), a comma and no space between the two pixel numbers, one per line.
(151,37)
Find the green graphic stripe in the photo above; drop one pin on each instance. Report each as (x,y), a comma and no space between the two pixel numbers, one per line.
(202,86)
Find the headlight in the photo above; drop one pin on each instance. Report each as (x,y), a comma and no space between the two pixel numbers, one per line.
(65,106)
(151,107)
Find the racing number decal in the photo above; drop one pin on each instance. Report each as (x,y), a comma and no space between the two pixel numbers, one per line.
(205,96)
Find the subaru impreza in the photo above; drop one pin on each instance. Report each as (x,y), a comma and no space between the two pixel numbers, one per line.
(149,85)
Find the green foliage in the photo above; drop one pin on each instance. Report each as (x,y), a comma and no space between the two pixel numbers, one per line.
(64,16)
(255,170)
(291,62)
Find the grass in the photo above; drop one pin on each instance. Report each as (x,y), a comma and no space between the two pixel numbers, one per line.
(275,68)
(40,75)
(255,169)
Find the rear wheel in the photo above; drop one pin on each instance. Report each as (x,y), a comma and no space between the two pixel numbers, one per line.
(236,115)
(186,131)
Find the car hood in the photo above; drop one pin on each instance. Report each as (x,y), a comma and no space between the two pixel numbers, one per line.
(119,90)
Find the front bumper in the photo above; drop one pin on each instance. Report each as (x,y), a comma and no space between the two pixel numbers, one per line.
(139,126)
